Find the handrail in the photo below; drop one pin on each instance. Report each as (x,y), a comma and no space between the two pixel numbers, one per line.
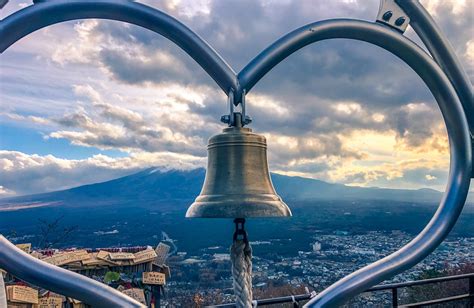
(382,287)
(438,301)
(412,283)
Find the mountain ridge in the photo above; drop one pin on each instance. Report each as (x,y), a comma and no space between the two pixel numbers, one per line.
(154,185)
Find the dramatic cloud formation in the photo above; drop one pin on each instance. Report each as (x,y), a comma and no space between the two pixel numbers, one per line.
(340,110)
(35,173)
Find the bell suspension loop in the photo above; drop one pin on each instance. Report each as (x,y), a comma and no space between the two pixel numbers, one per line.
(236,119)
(241,258)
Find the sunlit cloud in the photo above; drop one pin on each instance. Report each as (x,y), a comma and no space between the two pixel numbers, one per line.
(25,173)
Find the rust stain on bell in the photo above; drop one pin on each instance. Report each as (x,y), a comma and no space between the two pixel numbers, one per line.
(237,183)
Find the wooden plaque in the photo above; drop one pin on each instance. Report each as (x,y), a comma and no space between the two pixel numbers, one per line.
(144,256)
(114,256)
(162,253)
(22,294)
(67,257)
(25,247)
(137,294)
(50,302)
(154,278)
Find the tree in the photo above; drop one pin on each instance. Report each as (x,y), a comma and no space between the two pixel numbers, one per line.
(52,233)
(442,289)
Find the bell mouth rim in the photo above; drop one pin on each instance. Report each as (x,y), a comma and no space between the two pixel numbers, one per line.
(237,143)
(243,209)
(239,198)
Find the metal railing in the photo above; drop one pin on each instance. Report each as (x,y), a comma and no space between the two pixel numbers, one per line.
(393,287)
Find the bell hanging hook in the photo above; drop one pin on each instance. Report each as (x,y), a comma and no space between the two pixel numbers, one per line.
(240,233)
(238,119)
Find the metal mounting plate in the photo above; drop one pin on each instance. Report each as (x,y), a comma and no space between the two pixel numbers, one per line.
(392,15)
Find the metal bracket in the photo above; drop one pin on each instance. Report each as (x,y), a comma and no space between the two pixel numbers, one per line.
(245,118)
(239,119)
(392,15)
(228,118)
(240,233)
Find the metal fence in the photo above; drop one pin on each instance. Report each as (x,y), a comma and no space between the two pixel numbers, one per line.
(297,300)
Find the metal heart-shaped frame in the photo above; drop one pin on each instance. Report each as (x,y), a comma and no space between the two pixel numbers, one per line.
(443,75)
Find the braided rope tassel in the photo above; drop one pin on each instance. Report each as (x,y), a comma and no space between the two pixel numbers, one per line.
(241,258)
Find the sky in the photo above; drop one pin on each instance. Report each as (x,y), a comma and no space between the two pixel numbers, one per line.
(92,100)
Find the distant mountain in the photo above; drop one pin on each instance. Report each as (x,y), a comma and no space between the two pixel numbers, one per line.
(305,188)
(152,185)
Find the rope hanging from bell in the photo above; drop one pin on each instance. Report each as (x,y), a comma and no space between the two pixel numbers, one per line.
(241,258)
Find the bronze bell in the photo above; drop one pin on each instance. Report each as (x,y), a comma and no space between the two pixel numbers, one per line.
(237,183)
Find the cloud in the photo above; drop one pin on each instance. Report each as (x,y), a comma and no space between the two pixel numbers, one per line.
(389,162)
(27,174)
(430,177)
(6,192)
(107,126)
(348,139)
(30,118)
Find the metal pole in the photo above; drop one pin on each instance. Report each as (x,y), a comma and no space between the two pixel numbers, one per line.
(157,295)
(394,298)
(471,291)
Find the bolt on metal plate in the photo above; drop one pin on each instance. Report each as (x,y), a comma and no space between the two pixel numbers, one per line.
(392,15)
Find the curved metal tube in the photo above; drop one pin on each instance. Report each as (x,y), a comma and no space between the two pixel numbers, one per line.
(443,53)
(43,14)
(454,117)
(59,280)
